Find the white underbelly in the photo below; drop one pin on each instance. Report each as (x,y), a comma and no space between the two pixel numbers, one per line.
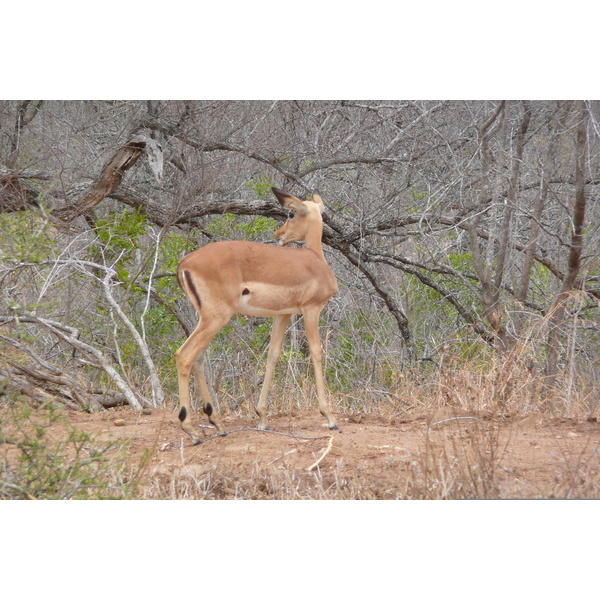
(245,307)
(255,305)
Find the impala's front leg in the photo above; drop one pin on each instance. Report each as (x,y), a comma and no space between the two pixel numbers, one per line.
(311,326)
(277,334)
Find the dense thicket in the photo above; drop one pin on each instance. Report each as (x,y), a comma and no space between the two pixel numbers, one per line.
(459,231)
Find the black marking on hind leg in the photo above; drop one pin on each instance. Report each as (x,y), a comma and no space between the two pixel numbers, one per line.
(182,413)
(208,409)
(245,291)
(188,278)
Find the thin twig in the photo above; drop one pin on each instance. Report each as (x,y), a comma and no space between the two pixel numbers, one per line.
(325,453)
(453,419)
(292,451)
(296,437)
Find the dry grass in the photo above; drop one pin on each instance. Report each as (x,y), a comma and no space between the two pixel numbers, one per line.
(469,463)
(460,413)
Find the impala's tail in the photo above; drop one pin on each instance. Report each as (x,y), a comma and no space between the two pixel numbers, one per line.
(186,283)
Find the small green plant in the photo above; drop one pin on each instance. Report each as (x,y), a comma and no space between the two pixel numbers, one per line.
(417,194)
(261,186)
(78,466)
(25,237)
(233,227)
(120,234)
(172,247)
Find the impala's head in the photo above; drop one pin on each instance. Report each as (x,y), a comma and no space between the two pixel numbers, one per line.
(304,219)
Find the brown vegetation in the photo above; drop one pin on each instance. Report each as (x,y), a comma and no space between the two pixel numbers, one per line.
(436,441)
(464,239)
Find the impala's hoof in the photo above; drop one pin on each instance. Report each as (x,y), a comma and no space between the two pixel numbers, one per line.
(334,427)
(197,442)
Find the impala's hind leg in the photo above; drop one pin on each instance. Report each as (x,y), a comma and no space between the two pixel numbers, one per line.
(277,333)
(195,347)
(207,405)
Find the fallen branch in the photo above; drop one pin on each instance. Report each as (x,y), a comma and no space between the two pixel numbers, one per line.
(296,437)
(70,335)
(453,419)
(292,451)
(325,453)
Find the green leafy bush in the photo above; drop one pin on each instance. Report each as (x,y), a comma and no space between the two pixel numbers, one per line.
(120,234)
(78,466)
(25,236)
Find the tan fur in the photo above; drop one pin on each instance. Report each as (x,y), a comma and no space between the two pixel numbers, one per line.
(225,278)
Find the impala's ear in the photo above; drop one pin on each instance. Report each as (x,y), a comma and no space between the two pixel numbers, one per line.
(316,198)
(290,202)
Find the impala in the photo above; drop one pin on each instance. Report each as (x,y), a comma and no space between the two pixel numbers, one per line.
(225,278)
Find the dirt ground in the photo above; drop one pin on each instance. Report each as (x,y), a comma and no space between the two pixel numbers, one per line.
(441,455)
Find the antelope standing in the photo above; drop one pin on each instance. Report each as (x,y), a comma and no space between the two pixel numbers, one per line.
(255,279)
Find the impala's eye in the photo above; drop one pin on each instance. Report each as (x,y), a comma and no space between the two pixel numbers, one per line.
(290,215)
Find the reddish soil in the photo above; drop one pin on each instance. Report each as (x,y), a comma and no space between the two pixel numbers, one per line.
(444,455)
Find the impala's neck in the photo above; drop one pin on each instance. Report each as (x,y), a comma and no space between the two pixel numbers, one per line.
(313,240)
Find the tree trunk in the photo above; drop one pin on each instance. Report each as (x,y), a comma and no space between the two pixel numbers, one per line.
(556,313)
